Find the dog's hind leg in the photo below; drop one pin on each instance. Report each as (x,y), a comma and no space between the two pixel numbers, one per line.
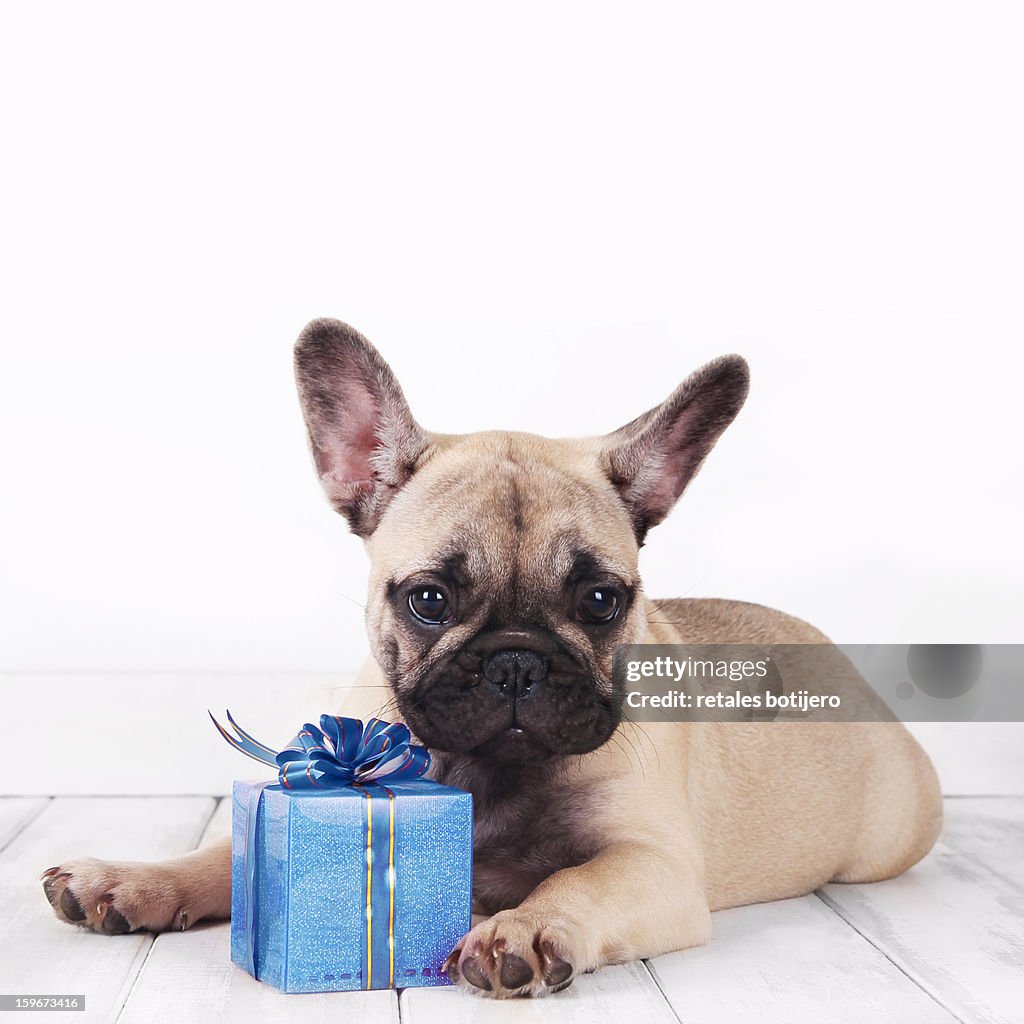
(114,897)
(902,815)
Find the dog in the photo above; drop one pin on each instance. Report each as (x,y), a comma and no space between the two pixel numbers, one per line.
(503,575)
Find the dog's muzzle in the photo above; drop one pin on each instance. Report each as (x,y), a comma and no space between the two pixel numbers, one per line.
(512,694)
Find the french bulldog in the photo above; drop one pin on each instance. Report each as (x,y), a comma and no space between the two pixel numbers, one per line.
(503,575)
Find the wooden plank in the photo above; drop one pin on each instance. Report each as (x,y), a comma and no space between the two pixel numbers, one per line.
(190,976)
(219,825)
(792,960)
(990,830)
(622,993)
(15,813)
(955,922)
(39,953)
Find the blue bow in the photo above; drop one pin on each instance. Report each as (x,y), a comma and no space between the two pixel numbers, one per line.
(342,752)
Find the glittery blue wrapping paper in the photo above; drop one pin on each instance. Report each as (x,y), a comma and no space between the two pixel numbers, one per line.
(310,888)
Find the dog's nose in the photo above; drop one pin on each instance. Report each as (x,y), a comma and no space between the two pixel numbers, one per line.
(515,672)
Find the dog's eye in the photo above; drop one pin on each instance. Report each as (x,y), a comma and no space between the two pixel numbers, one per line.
(598,606)
(430,605)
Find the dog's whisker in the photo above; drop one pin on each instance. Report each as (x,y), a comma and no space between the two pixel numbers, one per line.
(341,593)
(643,738)
(622,737)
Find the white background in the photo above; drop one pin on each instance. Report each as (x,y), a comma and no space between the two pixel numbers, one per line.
(545,216)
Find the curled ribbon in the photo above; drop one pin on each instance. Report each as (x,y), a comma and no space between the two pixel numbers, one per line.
(341,752)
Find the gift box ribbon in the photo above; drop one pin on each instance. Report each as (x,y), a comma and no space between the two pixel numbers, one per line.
(341,752)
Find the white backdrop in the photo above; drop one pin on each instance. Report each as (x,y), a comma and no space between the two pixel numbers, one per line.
(544,218)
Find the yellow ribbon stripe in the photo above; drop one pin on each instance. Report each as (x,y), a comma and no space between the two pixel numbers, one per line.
(369,883)
(391,886)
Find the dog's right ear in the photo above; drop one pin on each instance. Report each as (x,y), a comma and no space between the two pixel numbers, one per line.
(364,439)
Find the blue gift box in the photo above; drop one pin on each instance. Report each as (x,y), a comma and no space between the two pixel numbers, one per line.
(352,871)
(336,907)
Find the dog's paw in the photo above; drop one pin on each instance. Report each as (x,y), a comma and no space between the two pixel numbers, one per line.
(513,954)
(116,898)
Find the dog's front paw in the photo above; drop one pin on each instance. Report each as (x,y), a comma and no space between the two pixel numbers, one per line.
(513,954)
(115,898)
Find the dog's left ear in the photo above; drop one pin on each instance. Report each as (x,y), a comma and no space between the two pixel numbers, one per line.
(364,439)
(653,458)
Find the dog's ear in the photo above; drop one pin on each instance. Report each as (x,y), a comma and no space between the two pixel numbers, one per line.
(364,440)
(653,458)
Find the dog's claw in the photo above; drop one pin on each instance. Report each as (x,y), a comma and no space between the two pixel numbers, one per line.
(451,964)
(50,887)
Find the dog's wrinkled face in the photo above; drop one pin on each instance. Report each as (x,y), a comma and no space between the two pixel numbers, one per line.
(503,576)
(503,565)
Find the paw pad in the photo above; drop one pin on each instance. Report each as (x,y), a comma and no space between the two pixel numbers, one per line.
(515,971)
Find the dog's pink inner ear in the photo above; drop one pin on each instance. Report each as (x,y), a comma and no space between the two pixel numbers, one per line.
(364,440)
(342,453)
(652,459)
(669,465)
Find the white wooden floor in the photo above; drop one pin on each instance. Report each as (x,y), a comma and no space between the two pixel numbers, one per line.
(943,943)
